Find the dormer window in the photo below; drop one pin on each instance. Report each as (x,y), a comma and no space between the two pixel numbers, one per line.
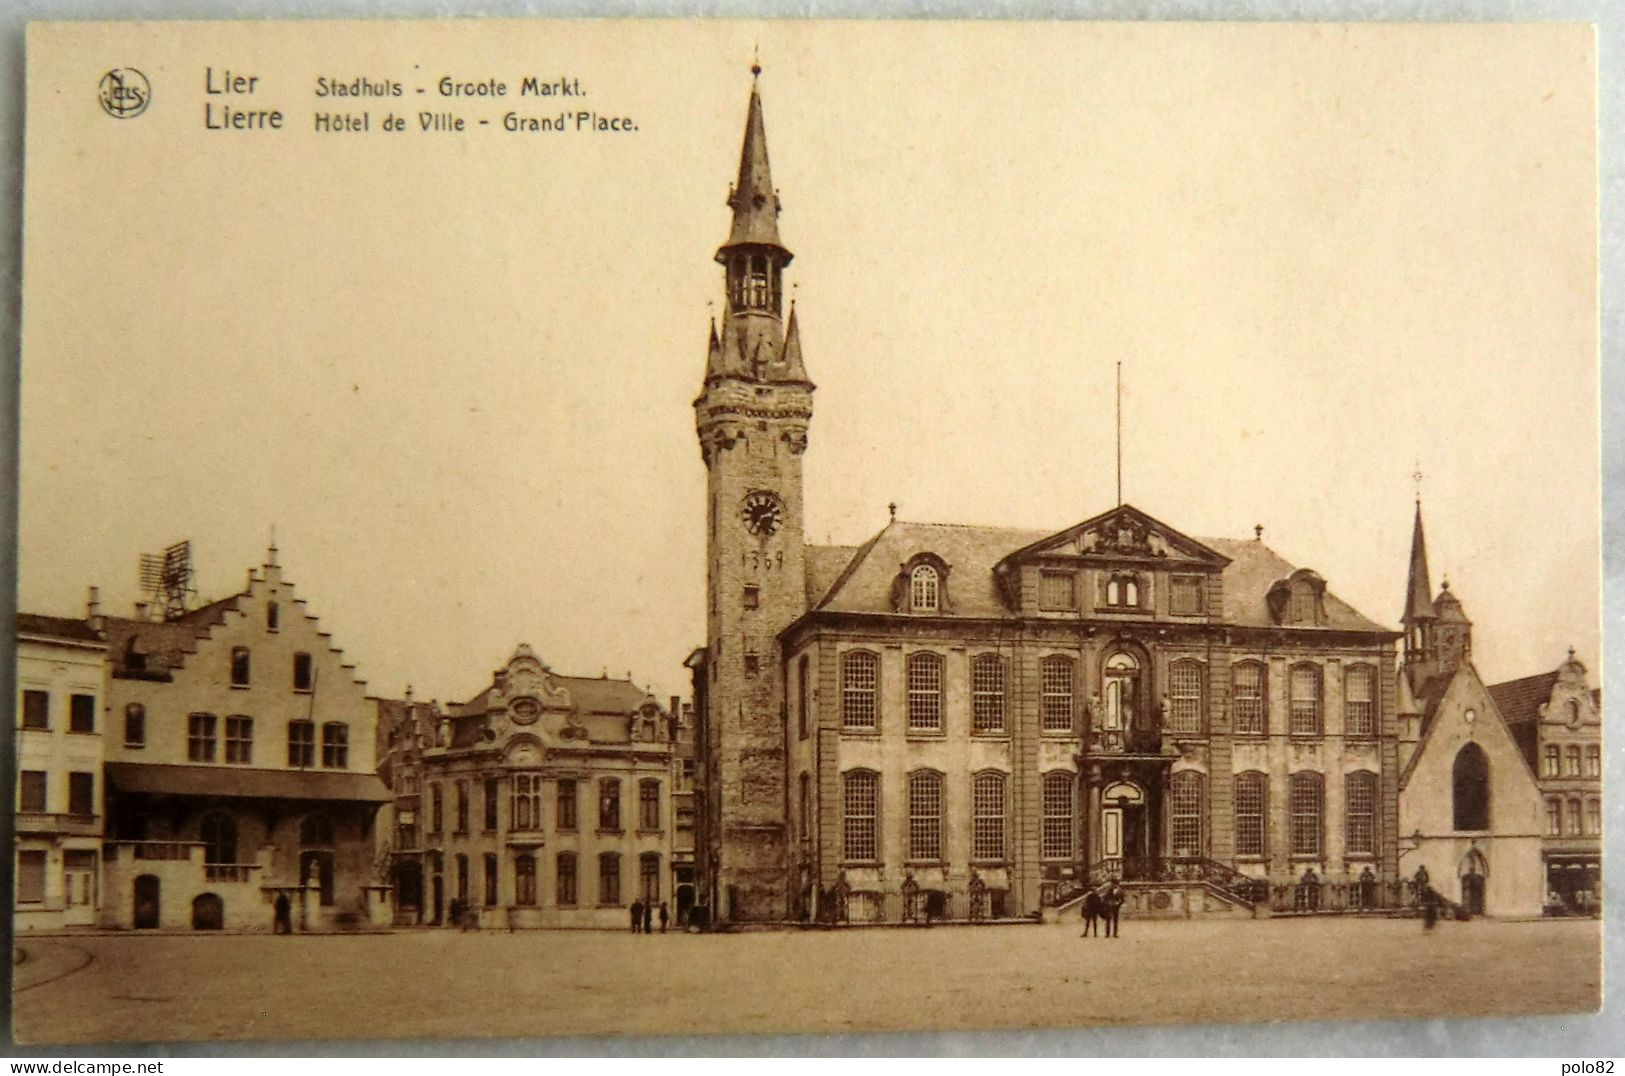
(924,589)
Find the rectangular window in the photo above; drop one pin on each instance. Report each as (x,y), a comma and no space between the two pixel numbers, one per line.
(36,709)
(31,877)
(491,879)
(987,693)
(200,738)
(649,877)
(31,791)
(566,878)
(1057,590)
(1185,595)
(1247,697)
(437,812)
(462,807)
(1305,682)
(609,878)
(1186,813)
(567,803)
(493,789)
(1594,818)
(135,725)
(987,823)
(1548,761)
(924,693)
(753,596)
(1306,812)
(860,802)
(1594,760)
(609,804)
(1573,827)
(801,696)
(82,794)
(302,680)
(526,808)
(462,877)
(301,744)
(1359,706)
(1057,838)
(925,816)
(82,713)
(336,745)
(1554,818)
(1185,697)
(1055,676)
(1252,789)
(239,666)
(1571,761)
(240,740)
(649,805)
(860,678)
(1360,819)
(524,880)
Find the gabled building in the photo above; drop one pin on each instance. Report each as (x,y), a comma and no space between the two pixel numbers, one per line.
(1469,806)
(977,721)
(1556,718)
(59,722)
(543,801)
(240,769)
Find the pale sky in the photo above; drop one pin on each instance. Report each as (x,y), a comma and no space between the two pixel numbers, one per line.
(456,371)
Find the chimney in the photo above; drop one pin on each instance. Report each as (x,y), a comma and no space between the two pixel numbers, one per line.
(93,609)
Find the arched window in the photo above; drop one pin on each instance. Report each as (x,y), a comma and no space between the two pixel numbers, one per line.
(566,878)
(860,802)
(1187,809)
(218,832)
(609,878)
(649,877)
(239,666)
(1305,681)
(271,617)
(987,816)
(1470,785)
(135,725)
(609,804)
(1122,688)
(1185,696)
(925,815)
(1058,826)
(1252,803)
(924,589)
(987,693)
(1247,697)
(316,831)
(524,878)
(1573,828)
(860,685)
(1055,683)
(525,801)
(1554,817)
(1306,802)
(1360,813)
(804,806)
(1359,701)
(649,804)
(924,692)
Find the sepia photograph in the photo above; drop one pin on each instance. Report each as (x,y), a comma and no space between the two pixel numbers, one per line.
(712,527)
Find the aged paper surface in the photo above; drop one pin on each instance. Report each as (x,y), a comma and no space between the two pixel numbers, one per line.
(487,335)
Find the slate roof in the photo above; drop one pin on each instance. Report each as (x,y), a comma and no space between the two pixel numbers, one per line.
(864,583)
(57,627)
(591,695)
(1519,702)
(165,643)
(240,782)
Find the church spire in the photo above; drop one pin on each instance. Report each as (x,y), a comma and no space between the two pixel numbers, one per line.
(1418,591)
(754,256)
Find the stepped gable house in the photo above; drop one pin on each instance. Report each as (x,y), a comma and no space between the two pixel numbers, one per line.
(977,720)
(543,801)
(240,765)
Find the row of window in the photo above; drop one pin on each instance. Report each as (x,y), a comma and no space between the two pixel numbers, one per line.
(566,892)
(304,673)
(78,876)
(203,739)
(1187,815)
(525,804)
(1186,696)
(36,711)
(1567,823)
(1565,762)
(1057,591)
(33,792)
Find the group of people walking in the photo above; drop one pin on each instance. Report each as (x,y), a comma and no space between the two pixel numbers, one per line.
(643,916)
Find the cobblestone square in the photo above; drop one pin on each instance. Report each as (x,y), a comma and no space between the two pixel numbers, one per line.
(443,984)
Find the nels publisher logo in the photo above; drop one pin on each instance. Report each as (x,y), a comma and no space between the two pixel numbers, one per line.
(124,93)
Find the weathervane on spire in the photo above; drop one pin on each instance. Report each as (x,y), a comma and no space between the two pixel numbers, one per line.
(1416,476)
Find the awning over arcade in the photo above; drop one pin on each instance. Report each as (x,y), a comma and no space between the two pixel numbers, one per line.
(235,783)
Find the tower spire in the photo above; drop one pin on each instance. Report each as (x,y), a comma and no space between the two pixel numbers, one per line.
(1419,588)
(754,201)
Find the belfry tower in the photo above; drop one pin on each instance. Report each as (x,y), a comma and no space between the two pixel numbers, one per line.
(751,417)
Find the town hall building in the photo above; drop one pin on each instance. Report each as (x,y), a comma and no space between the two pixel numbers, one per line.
(979,721)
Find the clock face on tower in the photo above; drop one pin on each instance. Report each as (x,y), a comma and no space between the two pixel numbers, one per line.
(762,512)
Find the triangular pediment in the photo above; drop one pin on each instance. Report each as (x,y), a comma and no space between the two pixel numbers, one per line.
(1123,534)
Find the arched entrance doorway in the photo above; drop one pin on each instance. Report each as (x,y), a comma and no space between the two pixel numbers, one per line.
(208,912)
(1123,829)
(145,913)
